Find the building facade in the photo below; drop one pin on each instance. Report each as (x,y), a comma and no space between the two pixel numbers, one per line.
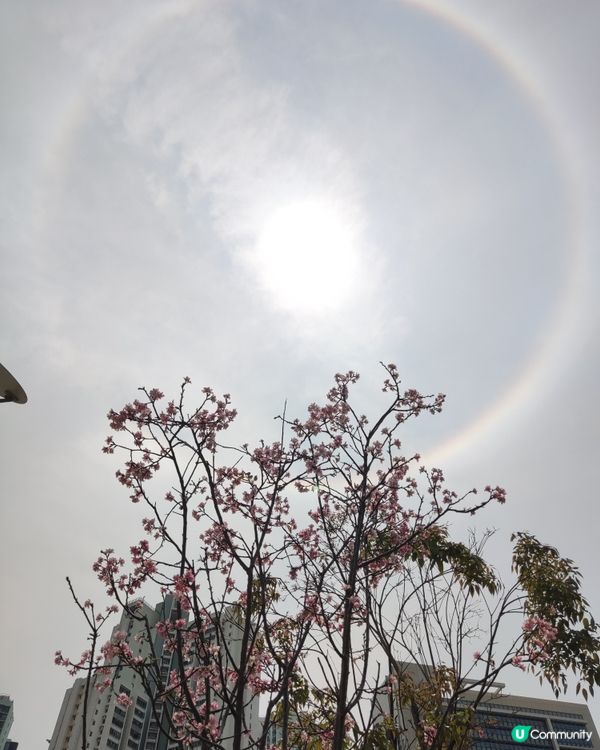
(6,718)
(110,726)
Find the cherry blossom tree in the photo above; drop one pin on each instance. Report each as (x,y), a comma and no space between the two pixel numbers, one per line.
(292,606)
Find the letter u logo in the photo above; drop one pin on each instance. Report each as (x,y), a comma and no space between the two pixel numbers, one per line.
(520,733)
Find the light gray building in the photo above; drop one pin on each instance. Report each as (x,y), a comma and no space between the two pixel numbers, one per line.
(6,718)
(228,635)
(111,726)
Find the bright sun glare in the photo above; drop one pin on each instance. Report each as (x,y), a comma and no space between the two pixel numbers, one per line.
(306,256)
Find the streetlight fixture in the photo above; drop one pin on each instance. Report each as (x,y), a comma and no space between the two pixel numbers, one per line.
(10,390)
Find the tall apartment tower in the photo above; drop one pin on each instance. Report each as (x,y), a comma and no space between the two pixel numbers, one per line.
(110,726)
(6,719)
(230,630)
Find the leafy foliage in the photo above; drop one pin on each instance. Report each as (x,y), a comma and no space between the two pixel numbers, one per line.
(553,588)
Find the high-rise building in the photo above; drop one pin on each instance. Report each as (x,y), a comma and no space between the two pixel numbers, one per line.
(6,718)
(111,726)
(229,632)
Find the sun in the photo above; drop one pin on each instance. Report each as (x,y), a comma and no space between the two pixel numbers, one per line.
(306,256)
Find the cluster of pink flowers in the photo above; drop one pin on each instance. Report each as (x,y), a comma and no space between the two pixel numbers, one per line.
(184,588)
(189,730)
(497,493)
(73,667)
(137,472)
(540,634)
(118,651)
(124,700)
(141,557)
(207,422)
(429,734)
(436,480)
(138,412)
(540,626)
(108,566)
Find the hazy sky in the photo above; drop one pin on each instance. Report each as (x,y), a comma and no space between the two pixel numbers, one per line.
(261,194)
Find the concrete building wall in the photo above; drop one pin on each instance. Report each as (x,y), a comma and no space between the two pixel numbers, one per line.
(67,730)
(6,718)
(232,631)
(109,725)
(229,635)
